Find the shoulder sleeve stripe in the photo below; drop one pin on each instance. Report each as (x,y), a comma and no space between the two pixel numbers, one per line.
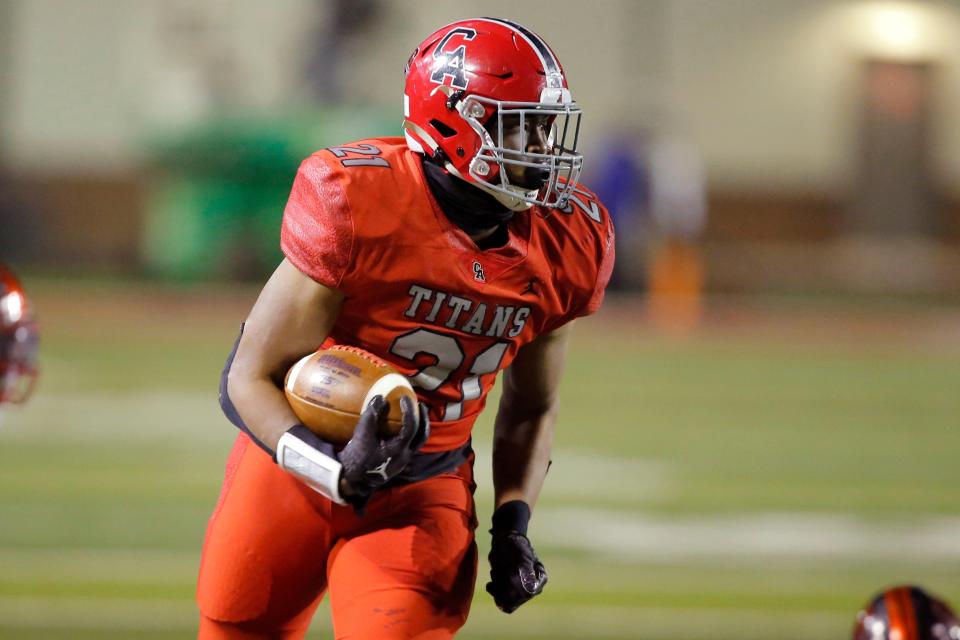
(551,67)
(603,273)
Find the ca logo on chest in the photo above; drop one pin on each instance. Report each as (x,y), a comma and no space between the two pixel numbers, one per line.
(478,274)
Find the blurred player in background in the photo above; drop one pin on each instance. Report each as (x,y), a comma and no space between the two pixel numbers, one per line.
(464,249)
(906,613)
(18,342)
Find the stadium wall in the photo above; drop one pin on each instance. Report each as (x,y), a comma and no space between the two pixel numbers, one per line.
(765,89)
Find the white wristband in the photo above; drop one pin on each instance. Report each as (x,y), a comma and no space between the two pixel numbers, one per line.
(319,471)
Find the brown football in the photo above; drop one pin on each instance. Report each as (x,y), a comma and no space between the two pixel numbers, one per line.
(329,389)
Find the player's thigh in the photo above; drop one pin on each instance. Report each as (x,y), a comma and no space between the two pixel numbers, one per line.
(264,557)
(413,576)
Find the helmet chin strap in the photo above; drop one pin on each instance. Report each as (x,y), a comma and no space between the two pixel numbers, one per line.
(514,203)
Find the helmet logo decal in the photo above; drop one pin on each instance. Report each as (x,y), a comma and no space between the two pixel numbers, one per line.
(450,63)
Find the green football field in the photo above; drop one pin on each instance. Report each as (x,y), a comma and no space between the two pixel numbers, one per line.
(759,479)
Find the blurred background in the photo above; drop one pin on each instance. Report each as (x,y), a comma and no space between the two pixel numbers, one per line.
(777,362)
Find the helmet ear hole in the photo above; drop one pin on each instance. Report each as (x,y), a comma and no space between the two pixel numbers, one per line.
(443,129)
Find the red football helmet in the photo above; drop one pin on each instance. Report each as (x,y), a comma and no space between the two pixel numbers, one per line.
(906,613)
(18,341)
(467,77)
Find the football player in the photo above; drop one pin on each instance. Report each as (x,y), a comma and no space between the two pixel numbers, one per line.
(463,249)
(18,341)
(906,613)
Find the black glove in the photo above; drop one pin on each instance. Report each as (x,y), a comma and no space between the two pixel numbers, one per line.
(368,460)
(516,574)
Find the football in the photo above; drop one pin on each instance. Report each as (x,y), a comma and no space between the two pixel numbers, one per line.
(329,389)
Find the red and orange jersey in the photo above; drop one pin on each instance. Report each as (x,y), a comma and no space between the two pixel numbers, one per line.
(419,293)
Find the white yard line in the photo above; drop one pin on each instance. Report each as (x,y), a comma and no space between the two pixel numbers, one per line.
(767,537)
(579,477)
(771,538)
(162,415)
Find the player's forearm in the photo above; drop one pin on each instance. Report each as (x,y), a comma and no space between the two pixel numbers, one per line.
(267,416)
(263,408)
(522,445)
(292,316)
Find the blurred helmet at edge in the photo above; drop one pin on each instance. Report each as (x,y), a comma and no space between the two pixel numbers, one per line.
(906,613)
(19,340)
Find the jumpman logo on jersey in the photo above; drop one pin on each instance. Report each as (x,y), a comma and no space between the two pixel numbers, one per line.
(531,287)
(382,469)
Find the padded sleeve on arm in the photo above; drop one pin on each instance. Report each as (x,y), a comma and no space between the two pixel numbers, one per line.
(226,404)
(317,234)
(603,275)
(230,411)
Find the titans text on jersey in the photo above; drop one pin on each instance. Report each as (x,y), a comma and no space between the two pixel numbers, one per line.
(448,310)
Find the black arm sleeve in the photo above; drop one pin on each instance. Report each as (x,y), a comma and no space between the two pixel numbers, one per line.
(227,405)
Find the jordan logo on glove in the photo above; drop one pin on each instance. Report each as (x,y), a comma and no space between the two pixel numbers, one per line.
(382,469)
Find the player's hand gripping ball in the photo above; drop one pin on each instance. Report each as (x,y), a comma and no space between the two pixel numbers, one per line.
(328,391)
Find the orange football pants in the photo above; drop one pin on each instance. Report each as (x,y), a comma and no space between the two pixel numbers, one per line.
(274,547)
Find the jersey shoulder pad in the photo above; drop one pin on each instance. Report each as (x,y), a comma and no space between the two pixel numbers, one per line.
(343,197)
(589,247)
(380,181)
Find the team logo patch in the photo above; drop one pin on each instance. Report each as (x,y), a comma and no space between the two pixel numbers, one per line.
(532,287)
(450,63)
(478,274)
(381,470)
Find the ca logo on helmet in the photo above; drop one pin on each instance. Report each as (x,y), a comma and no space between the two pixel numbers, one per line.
(450,63)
